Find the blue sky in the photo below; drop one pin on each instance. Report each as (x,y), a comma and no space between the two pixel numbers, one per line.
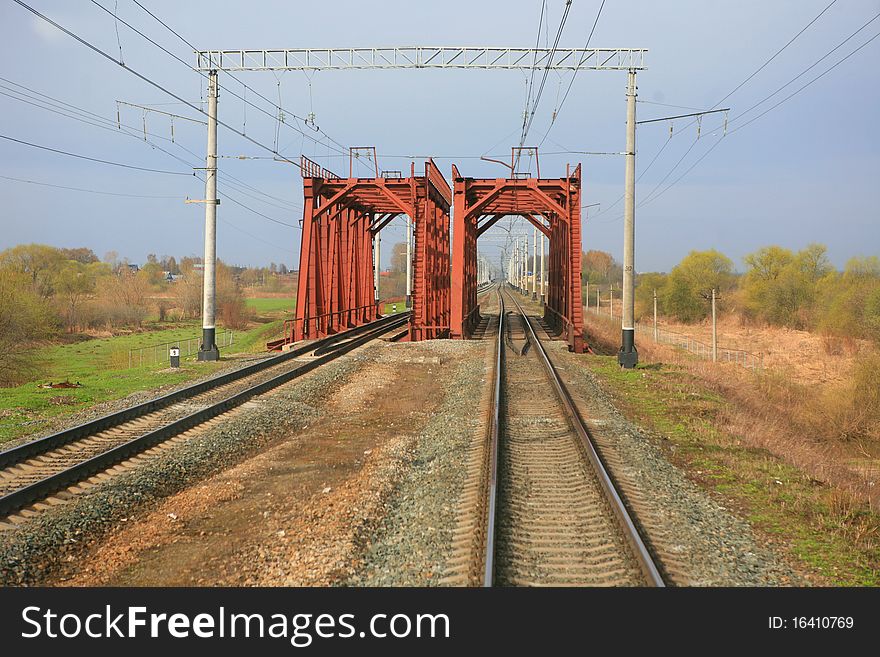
(807,171)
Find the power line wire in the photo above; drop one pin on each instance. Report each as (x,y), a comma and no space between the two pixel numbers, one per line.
(94,159)
(104,54)
(60,107)
(571,82)
(82,189)
(775,55)
(735,89)
(247,87)
(559,31)
(809,68)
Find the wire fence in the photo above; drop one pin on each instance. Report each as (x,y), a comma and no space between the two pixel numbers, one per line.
(683,341)
(155,354)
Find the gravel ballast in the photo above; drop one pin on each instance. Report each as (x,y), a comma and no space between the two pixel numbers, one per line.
(51,541)
(702,543)
(411,546)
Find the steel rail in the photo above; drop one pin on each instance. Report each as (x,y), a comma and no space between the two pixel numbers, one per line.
(61,438)
(39,490)
(633,536)
(494,423)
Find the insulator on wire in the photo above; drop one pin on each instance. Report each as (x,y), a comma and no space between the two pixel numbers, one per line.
(699,125)
(725,124)
(670,129)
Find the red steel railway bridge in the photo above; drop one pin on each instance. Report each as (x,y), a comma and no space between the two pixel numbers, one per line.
(342,218)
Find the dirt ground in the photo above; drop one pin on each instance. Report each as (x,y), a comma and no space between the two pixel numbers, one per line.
(293,515)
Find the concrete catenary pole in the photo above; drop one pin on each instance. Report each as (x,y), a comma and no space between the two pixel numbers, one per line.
(208,349)
(628,356)
(714,331)
(519,264)
(543,270)
(409,238)
(535,264)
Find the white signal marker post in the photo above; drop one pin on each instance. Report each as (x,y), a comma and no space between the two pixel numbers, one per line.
(208,349)
(628,357)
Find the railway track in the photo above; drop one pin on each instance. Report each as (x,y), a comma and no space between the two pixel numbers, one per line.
(32,474)
(541,509)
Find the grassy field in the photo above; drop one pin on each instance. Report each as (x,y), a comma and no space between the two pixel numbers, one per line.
(815,522)
(394,308)
(101,367)
(270,306)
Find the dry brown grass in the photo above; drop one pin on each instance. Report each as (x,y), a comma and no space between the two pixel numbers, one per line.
(830,432)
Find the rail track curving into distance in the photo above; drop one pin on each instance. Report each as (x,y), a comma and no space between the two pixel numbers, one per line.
(44,468)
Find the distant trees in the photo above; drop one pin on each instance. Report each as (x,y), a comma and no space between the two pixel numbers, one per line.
(647,284)
(849,302)
(600,268)
(26,319)
(39,263)
(398,257)
(82,255)
(74,284)
(781,287)
(689,280)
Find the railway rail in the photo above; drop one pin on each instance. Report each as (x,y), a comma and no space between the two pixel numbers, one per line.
(32,472)
(550,513)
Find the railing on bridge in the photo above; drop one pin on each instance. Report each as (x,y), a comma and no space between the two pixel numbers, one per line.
(311,169)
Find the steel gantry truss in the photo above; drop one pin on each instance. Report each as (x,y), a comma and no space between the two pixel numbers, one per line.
(553,206)
(342,218)
(555,213)
(323,59)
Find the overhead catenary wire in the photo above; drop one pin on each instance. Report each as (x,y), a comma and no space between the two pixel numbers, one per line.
(821,75)
(170,93)
(776,54)
(244,85)
(531,115)
(117,129)
(728,95)
(94,159)
(148,80)
(90,191)
(811,67)
(61,107)
(571,82)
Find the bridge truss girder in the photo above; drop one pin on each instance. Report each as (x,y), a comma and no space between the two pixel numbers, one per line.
(341,217)
(553,206)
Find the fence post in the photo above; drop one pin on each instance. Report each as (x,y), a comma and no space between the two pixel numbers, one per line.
(655,315)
